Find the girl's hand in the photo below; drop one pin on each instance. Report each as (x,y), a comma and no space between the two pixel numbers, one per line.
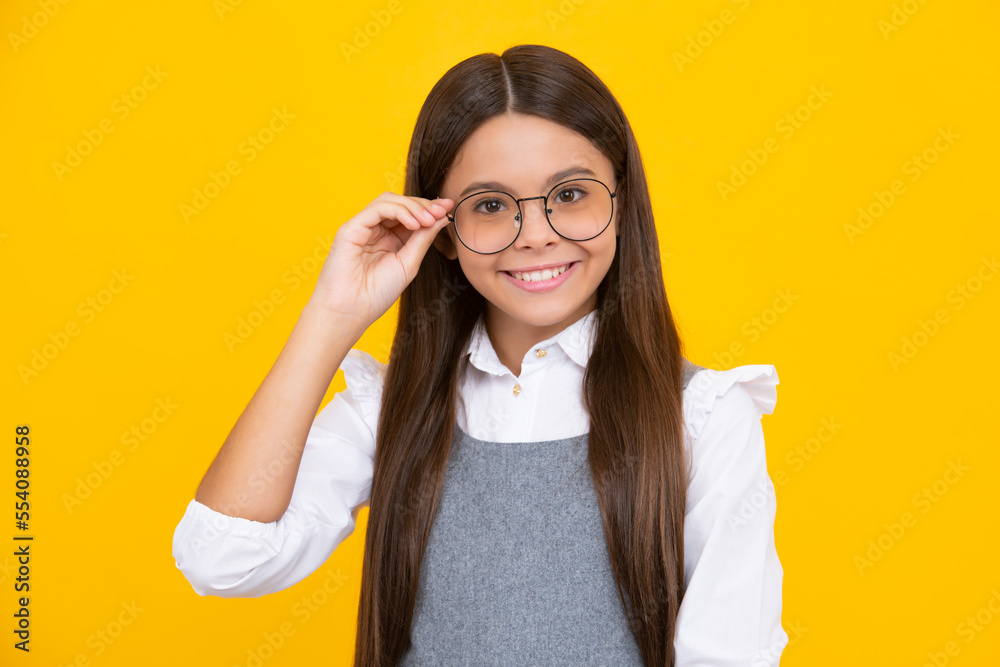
(376,254)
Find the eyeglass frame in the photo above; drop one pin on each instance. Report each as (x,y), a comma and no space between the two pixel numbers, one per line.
(545,207)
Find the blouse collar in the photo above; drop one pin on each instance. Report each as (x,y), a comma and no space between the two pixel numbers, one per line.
(576,340)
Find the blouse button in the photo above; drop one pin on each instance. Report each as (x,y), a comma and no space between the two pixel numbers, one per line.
(517,389)
(541,352)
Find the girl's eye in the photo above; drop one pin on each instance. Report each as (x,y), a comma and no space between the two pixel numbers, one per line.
(566,195)
(489,206)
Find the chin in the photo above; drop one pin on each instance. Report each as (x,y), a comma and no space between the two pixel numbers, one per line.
(541,315)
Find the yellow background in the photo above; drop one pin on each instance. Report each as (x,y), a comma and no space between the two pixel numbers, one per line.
(726,260)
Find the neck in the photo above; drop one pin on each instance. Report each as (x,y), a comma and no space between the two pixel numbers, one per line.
(512,338)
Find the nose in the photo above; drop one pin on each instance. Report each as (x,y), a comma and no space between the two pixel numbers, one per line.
(536,232)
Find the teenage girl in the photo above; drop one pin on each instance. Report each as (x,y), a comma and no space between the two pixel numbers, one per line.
(549,480)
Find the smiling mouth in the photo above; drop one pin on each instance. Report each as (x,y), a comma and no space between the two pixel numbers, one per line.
(539,276)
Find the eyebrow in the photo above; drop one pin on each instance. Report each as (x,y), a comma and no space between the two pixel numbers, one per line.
(497,185)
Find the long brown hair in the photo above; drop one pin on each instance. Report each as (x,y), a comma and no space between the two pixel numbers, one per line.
(632,383)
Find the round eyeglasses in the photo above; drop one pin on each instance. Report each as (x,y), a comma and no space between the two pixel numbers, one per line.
(577,210)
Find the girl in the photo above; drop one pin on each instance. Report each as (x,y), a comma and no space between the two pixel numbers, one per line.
(549,480)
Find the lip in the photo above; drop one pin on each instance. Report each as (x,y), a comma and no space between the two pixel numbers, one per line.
(544,285)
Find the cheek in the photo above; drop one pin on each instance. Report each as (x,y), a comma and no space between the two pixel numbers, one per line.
(602,259)
(477,268)
(604,252)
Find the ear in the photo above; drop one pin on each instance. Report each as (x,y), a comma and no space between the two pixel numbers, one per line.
(445,242)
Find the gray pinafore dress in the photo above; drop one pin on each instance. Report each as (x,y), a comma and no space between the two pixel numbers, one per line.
(516,570)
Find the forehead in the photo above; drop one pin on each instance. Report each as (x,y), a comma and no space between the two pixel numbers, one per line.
(522,152)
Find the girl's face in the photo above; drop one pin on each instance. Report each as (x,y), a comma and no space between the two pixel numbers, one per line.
(526,156)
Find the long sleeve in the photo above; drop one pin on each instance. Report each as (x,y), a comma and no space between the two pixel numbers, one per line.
(731,612)
(236,557)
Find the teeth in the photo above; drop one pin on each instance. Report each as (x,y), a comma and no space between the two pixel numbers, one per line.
(536,276)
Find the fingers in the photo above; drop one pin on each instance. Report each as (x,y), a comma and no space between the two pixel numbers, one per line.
(425,210)
(412,212)
(413,251)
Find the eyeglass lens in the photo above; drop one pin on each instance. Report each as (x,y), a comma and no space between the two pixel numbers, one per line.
(578,210)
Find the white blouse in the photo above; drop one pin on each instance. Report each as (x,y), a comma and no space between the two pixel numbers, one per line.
(731,611)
